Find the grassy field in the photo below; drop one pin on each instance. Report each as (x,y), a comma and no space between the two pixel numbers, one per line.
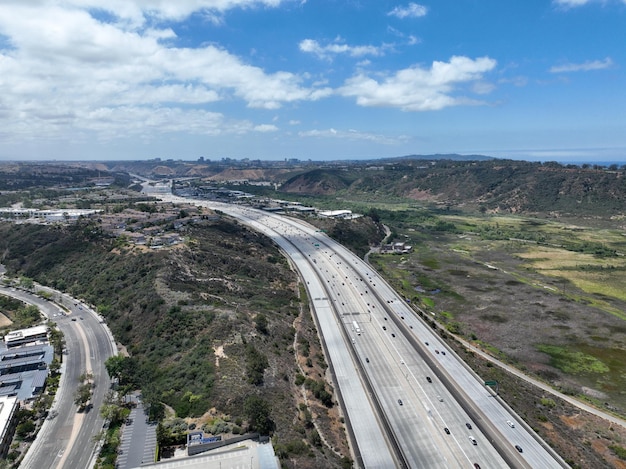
(547,296)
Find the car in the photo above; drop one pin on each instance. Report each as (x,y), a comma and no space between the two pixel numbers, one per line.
(437,351)
(399,401)
(510,424)
(384,328)
(428,379)
(426,343)
(385,319)
(446,430)
(81,318)
(393,335)
(367,359)
(402,317)
(519,448)
(129,421)
(476,466)
(73,319)
(443,353)
(468,425)
(440,398)
(473,440)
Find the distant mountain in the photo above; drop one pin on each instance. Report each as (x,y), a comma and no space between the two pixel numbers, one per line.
(445,156)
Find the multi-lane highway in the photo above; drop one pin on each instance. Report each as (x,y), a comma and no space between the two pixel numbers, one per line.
(67,439)
(409,400)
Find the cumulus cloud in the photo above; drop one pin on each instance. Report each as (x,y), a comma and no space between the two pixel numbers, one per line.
(583,67)
(412,10)
(417,88)
(335,48)
(65,69)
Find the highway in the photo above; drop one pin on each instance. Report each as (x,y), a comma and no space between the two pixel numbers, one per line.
(415,386)
(67,439)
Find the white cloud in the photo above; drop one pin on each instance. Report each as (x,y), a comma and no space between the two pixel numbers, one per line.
(265,128)
(578,3)
(571,3)
(419,89)
(412,10)
(583,67)
(314,47)
(352,134)
(64,71)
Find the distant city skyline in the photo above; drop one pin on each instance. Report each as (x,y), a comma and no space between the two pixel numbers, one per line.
(312,79)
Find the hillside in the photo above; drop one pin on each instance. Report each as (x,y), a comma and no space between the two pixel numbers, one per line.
(206,324)
(494,186)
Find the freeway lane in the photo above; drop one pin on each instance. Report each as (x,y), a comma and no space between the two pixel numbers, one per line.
(456,395)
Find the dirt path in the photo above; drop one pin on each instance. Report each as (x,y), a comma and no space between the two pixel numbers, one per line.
(543,386)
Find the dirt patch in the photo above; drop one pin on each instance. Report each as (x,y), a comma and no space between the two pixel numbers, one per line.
(4,321)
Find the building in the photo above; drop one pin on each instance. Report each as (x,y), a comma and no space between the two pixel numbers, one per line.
(25,336)
(8,421)
(336,214)
(19,360)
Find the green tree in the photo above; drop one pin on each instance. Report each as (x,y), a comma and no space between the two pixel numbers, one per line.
(258,413)
(261,323)
(256,365)
(82,395)
(115,366)
(25,428)
(28,316)
(27,283)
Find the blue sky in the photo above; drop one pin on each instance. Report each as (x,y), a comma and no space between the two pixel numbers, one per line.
(312,79)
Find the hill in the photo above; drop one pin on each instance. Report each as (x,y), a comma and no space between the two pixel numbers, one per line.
(493,186)
(206,325)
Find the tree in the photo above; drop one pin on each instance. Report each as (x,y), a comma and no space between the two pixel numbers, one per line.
(82,395)
(115,366)
(27,283)
(25,428)
(258,412)
(261,323)
(256,364)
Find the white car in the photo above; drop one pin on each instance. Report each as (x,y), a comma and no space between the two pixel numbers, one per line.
(473,440)
(510,424)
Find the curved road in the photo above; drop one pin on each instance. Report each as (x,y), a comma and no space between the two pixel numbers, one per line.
(67,440)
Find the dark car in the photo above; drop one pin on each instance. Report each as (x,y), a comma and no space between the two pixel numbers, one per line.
(384,328)
(519,448)
(468,425)
(428,379)
(446,430)
(393,335)
(129,421)
(426,343)
(476,466)
(400,401)
(367,359)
